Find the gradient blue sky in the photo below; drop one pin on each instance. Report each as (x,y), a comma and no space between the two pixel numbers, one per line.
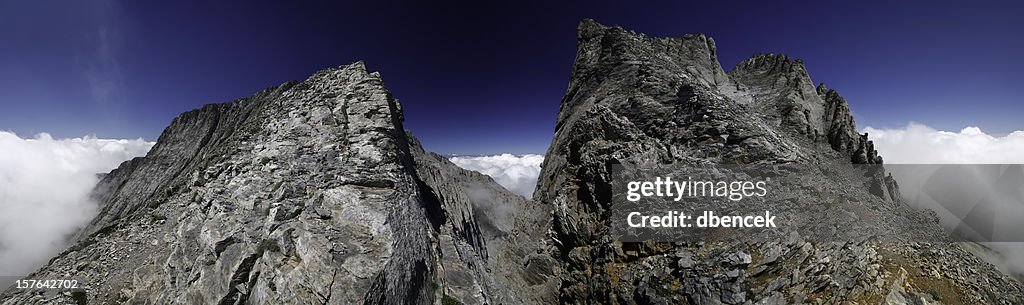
(482,77)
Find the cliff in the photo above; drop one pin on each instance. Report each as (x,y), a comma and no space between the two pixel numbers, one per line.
(305,192)
(646,101)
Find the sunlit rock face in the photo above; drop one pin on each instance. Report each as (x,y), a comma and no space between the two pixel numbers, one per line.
(304,192)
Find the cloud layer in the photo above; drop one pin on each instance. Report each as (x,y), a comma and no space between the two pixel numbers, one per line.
(44,192)
(516,173)
(920,144)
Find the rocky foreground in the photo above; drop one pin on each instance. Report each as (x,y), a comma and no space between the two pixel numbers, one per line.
(312,192)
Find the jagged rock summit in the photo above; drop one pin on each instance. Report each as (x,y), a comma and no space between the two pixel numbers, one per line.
(307,192)
(645,101)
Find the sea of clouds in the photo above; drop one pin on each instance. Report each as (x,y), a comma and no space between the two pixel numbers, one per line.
(920,144)
(516,173)
(44,192)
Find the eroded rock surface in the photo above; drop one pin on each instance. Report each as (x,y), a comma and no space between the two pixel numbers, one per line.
(308,192)
(646,101)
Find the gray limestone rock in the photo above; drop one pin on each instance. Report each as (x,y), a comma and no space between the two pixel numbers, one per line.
(312,192)
(308,192)
(644,101)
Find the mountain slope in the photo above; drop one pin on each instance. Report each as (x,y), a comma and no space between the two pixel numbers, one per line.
(306,192)
(646,101)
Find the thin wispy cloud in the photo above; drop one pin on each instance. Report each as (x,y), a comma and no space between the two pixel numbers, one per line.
(102,70)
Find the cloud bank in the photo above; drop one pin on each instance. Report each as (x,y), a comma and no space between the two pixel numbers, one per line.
(516,173)
(44,192)
(920,144)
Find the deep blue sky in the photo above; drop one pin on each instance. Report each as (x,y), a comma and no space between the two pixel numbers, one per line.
(480,77)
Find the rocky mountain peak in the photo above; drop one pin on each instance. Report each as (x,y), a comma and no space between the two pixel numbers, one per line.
(782,89)
(312,115)
(617,48)
(612,52)
(772,87)
(310,191)
(643,102)
(774,64)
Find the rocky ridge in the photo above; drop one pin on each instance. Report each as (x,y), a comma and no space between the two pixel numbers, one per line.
(305,192)
(645,101)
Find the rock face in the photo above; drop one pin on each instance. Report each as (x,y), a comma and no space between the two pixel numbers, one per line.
(305,192)
(644,101)
(491,239)
(312,192)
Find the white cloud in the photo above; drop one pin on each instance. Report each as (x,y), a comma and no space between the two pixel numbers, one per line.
(44,192)
(920,144)
(516,173)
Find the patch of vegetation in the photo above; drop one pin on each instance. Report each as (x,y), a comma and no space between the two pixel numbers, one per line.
(88,241)
(154,217)
(935,294)
(449,300)
(929,254)
(155,203)
(170,191)
(263,209)
(106,230)
(80,297)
